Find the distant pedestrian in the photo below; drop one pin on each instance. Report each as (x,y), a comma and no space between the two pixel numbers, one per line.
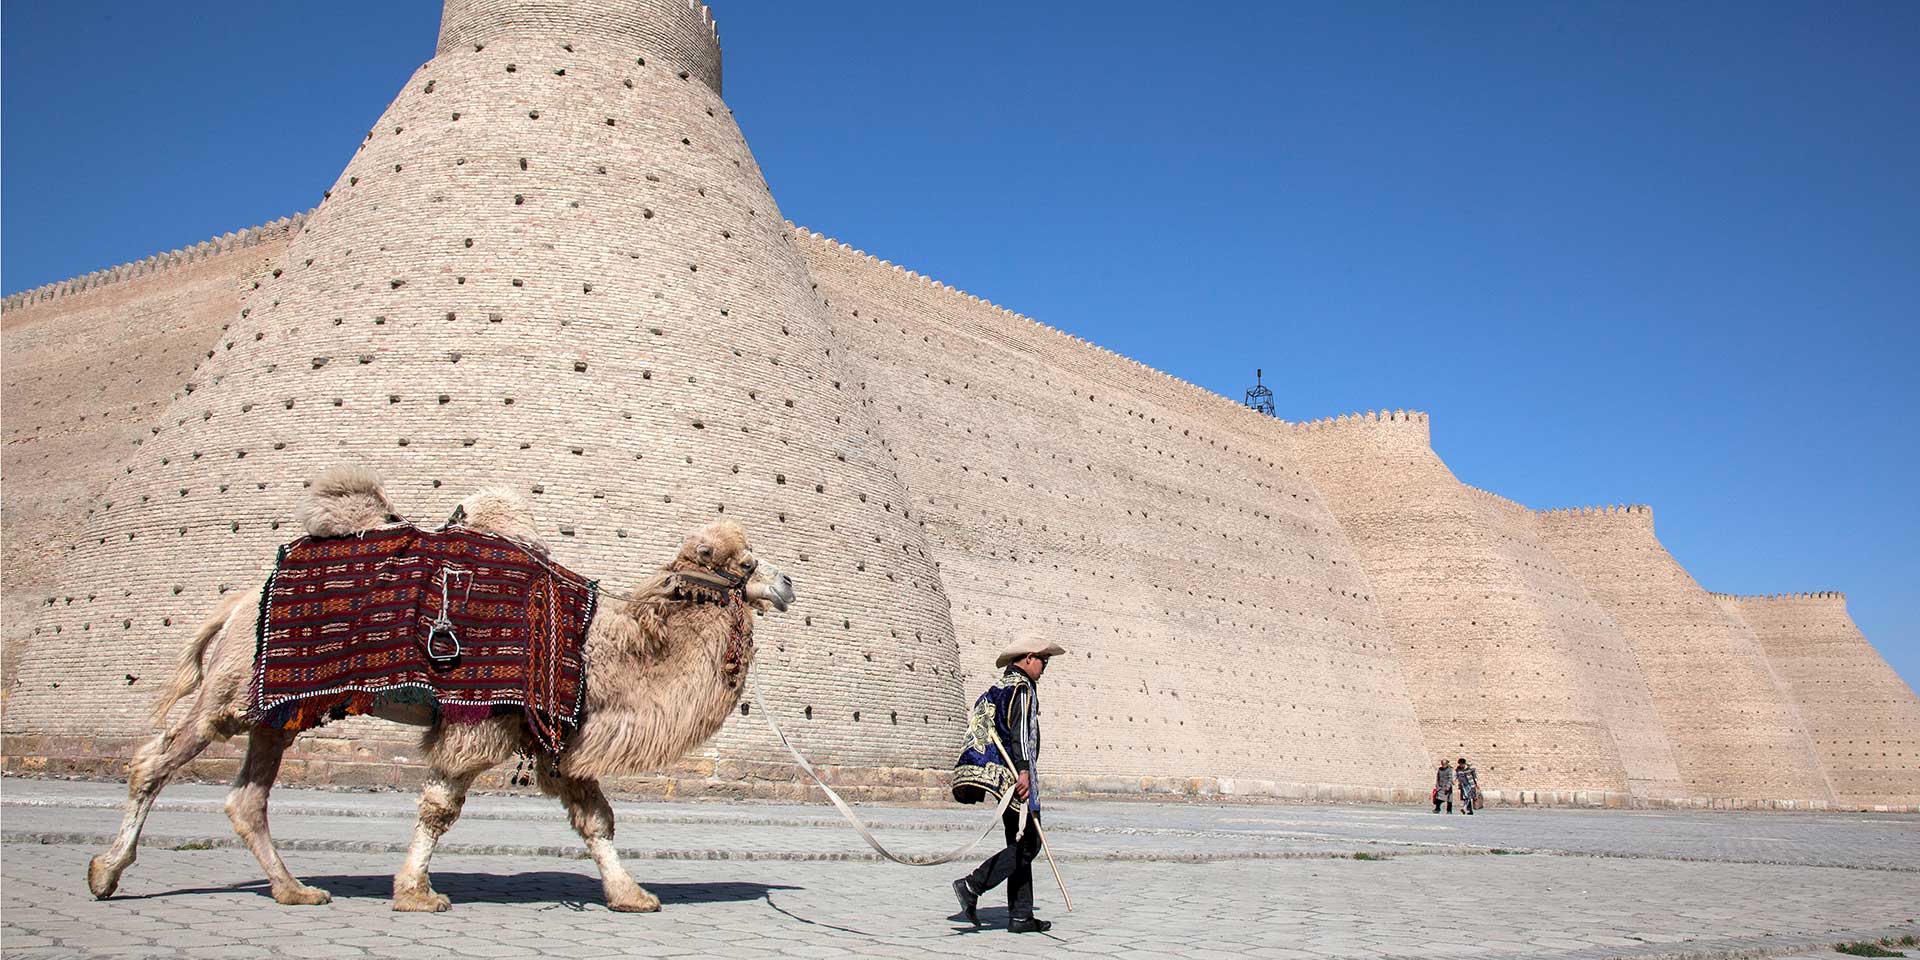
(1469,780)
(1443,787)
(1008,715)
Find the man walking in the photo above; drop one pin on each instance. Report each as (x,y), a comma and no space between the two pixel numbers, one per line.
(1443,787)
(1469,780)
(1007,716)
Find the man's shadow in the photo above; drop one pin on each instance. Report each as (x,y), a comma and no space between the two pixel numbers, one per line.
(991,919)
(571,890)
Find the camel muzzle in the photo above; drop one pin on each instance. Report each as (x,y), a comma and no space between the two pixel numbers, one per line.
(773,586)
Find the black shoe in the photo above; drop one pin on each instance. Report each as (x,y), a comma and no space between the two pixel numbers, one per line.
(969,903)
(1029,925)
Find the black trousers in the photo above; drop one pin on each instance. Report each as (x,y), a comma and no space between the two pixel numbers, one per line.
(1443,796)
(1013,866)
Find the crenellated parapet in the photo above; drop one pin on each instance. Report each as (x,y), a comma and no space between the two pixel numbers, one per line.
(1637,513)
(1405,430)
(1504,502)
(147,266)
(1512,509)
(1366,418)
(1829,596)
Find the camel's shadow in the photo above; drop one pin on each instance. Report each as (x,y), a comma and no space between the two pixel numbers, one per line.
(561,889)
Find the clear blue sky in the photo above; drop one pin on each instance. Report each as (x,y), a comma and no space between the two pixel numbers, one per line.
(1661,253)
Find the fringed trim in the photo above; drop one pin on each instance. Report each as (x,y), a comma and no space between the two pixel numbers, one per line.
(305,713)
(260,635)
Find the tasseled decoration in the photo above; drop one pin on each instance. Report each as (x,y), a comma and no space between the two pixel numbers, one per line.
(733,659)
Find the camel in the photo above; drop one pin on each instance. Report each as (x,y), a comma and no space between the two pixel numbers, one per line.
(659,683)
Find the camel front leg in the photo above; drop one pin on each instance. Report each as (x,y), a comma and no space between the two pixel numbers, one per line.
(440,803)
(153,765)
(247,808)
(592,817)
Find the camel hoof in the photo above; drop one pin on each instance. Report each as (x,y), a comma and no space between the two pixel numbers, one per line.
(633,901)
(101,878)
(414,901)
(303,896)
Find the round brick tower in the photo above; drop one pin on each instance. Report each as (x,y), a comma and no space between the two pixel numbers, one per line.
(551,265)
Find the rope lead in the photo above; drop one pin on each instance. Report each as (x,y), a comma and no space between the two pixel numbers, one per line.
(1006,797)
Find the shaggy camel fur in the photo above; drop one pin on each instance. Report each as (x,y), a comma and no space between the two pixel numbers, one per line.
(657,686)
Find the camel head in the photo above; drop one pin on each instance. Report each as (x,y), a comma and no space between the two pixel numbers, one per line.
(721,548)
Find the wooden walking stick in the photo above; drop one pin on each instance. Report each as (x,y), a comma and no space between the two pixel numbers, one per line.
(1056,867)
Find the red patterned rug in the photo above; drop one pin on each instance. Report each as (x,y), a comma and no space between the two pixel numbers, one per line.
(349,623)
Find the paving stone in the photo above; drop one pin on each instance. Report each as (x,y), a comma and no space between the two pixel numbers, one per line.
(1678,884)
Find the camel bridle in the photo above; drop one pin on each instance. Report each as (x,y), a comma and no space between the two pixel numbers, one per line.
(713,583)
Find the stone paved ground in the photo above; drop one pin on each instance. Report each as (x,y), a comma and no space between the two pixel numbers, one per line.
(1175,880)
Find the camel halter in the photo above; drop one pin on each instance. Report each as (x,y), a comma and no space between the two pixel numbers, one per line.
(717,582)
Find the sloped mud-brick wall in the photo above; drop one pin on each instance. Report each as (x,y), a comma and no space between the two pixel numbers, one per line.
(1221,633)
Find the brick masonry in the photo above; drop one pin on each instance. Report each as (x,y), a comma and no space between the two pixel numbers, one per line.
(1219,622)
(554,265)
(1864,722)
(1735,728)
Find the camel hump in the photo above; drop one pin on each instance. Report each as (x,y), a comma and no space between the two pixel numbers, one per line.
(502,512)
(346,499)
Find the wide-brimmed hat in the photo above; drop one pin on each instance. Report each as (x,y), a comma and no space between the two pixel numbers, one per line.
(1028,644)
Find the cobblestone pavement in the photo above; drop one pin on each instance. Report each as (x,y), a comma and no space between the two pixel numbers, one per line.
(1663,885)
(82,810)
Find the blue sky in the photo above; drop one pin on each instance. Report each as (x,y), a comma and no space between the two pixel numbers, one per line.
(1660,253)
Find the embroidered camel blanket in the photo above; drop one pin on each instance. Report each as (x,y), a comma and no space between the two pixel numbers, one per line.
(465,622)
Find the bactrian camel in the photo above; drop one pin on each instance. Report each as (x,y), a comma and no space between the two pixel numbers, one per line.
(657,687)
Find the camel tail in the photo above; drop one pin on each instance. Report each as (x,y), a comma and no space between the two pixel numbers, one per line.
(187,672)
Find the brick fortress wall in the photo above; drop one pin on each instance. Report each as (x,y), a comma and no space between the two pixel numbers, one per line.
(1222,634)
(553,264)
(1603,657)
(1494,675)
(1863,720)
(90,365)
(1736,733)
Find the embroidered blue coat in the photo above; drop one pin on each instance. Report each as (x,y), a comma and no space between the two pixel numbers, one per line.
(1011,710)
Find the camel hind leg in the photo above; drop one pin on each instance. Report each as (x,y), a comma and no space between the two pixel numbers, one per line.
(247,808)
(154,764)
